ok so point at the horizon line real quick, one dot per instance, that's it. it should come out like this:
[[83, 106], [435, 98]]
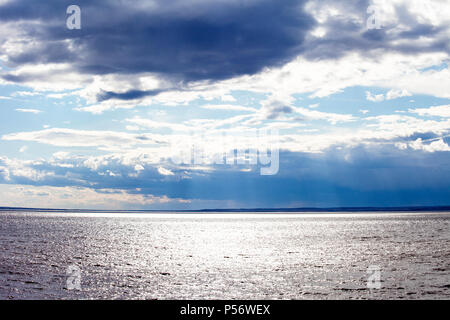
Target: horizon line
[[268, 210]]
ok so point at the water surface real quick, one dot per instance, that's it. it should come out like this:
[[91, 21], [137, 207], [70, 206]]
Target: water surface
[[224, 256]]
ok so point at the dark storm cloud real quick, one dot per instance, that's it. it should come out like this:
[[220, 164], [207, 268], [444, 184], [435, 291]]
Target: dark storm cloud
[[183, 40], [128, 95], [358, 176]]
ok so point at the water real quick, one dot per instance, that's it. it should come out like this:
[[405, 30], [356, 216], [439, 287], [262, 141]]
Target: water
[[224, 256]]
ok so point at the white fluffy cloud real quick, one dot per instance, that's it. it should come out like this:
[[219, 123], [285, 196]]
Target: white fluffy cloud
[[436, 111], [374, 97], [394, 94], [390, 95], [436, 145], [165, 172]]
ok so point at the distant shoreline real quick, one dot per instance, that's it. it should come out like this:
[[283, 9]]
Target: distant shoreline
[[255, 210]]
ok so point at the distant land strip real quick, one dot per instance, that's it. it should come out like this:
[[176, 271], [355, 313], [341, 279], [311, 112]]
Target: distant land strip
[[254, 210]]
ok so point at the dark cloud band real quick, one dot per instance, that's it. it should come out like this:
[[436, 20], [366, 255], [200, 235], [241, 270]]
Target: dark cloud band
[[207, 41]]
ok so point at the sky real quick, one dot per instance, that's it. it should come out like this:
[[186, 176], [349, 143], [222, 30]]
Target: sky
[[347, 103]]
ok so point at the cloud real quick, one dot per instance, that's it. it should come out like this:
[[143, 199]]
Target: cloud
[[332, 118], [436, 111], [321, 78], [390, 95], [25, 94], [276, 106], [47, 76], [374, 98], [81, 197], [200, 41], [228, 107], [35, 111], [23, 171], [128, 95], [165, 172], [350, 175], [406, 27], [189, 49], [82, 138], [385, 129], [152, 124], [434, 146], [394, 94]]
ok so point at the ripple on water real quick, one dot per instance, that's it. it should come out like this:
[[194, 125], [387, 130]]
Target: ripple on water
[[224, 257]]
